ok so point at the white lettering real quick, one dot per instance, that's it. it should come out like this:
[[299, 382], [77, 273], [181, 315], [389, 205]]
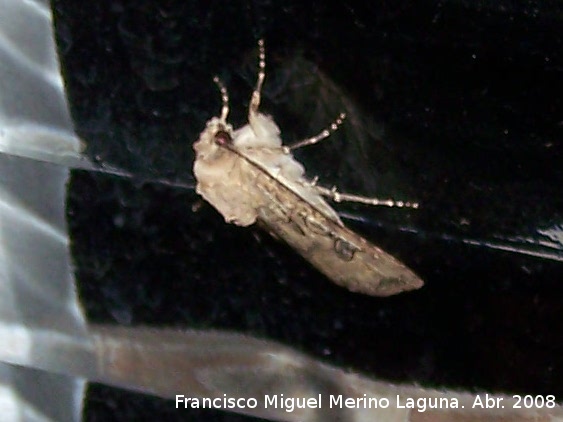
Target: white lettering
[[271, 401], [489, 402], [421, 404], [289, 404], [216, 403], [335, 401], [180, 398], [364, 402]]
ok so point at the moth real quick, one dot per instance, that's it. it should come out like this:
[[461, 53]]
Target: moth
[[250, 177]]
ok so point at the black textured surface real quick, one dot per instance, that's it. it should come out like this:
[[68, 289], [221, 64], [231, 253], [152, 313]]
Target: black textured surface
[[107, 405], [467, 96]]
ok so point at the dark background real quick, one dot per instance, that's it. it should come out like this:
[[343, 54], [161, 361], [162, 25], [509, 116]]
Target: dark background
[[454, 104]]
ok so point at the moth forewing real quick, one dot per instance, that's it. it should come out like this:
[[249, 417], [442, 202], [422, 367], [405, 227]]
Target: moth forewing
[[249, 176], [342, 255]]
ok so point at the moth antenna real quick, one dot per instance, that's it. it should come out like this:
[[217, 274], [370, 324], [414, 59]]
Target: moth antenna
[[224, 98], [255, 100], [323, 135], [346, 197]]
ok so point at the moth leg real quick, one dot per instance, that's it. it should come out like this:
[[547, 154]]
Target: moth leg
[[255, 99], [315, 139], [312, 183], [346, 197]]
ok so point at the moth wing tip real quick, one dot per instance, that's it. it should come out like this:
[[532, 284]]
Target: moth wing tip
[[394, 285]]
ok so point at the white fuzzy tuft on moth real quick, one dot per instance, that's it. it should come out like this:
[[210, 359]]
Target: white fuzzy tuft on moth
[[249, 176]]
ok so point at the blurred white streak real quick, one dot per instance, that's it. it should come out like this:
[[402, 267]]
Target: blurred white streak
[[34, 117], [26, 393], [212, 364], [554, 234], [41, 323]]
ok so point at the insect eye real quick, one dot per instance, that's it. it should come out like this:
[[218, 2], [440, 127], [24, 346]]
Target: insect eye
[[223, 138]]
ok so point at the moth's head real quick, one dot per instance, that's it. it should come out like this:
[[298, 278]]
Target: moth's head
[[218, 133]]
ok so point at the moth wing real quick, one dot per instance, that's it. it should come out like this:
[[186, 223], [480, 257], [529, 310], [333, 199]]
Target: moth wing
[[342, 255], [288, 172]]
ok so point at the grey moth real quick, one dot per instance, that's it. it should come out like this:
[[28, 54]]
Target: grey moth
[[250, 177]]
